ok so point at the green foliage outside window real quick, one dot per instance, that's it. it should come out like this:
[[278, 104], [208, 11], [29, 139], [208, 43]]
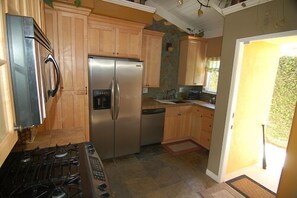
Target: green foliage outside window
[[283, 102], [212, 74]]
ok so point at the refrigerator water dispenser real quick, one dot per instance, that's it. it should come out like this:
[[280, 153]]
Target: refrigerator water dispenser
[[101, 99]]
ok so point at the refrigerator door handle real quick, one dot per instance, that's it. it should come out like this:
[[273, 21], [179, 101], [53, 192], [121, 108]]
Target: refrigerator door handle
[[118, 100], [112, 99]]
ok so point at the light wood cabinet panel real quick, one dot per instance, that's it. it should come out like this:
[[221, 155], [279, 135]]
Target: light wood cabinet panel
[[171, 127], [196, 124], [202, 121], [101, 40], [67, 29], [192, 61], [177, 123], [32, 8], [114, 37], [205, 139], [152, 55]]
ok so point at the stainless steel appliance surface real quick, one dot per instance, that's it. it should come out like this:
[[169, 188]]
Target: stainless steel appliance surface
[[115, 105], [73, 170], [152, 126], [34, 72]]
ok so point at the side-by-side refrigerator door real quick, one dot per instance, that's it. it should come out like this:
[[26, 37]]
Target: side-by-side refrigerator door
[[101, 79], [128, 91]]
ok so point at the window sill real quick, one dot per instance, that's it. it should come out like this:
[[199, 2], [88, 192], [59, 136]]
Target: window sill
[[209, 92]]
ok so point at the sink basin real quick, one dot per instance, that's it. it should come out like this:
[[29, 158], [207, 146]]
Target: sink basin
[[170, 101], [178, 101]]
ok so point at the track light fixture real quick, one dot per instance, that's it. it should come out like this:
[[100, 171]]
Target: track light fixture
[[180, 3], [200, 12]]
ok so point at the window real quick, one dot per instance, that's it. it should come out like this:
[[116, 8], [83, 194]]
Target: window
[[212, 74]]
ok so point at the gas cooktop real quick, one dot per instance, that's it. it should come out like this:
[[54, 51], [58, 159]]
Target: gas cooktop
[[74, 170]]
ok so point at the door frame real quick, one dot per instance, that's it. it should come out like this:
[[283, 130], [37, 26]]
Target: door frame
[[232, 100]]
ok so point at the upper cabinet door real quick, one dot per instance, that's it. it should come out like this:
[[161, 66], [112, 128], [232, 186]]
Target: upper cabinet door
[[192, 61], [128, 43], [114, 37], [101, 39], [152, 55]]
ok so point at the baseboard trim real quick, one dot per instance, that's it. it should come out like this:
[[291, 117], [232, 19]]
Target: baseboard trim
[[212, 175]]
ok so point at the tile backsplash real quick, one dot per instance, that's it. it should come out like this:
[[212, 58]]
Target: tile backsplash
[[170, 64]]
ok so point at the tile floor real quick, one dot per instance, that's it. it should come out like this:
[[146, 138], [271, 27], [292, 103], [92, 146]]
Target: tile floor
[[155, 173]]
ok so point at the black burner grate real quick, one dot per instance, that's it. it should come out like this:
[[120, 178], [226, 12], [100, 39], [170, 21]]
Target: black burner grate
[[50, 172]]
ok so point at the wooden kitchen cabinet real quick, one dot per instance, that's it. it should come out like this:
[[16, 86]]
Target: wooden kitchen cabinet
[[177, 123], [114, 37], [66, 28], [152, 55], [196, 124], [34, 8], [202, 121], [206, 130], [192, 61]]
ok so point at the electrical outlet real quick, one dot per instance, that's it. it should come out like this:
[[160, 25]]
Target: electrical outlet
[[145, 90]]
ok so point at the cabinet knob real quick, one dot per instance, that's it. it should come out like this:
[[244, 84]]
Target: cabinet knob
[[117, 53], [209, 125], [179, 114], [113, 53]]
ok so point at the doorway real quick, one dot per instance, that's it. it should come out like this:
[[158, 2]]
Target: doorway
[[257, 61]]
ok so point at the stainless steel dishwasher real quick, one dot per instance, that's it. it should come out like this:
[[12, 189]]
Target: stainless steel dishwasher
[[152, 126]]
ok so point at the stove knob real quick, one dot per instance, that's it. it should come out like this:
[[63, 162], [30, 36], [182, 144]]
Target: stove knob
[[91, 149], [102, 187]]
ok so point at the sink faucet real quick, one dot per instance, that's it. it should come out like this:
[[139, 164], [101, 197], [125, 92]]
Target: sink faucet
[[172, 95]]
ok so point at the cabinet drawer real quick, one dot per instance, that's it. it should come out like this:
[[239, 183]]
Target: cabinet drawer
[[184, 109], [208, 113], [205, 139], [207, 124], [178, 110]]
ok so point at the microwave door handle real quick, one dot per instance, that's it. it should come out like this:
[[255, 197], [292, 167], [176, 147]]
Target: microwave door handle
[[51, 59]]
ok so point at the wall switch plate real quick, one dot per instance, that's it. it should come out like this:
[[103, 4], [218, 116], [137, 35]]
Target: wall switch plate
[[145, 90]]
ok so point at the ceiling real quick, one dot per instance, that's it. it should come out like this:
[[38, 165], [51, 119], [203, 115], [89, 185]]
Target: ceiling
[[185, 16]]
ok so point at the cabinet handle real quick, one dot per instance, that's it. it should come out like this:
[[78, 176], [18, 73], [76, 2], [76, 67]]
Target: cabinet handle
[[113, 53], [179, 114], [209, 125], [117, 53], [194, 83]]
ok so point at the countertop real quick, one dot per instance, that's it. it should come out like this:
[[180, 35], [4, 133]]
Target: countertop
[[150, 103]]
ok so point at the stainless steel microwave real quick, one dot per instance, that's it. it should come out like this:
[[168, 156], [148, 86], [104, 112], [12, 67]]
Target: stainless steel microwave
[[34, 72]]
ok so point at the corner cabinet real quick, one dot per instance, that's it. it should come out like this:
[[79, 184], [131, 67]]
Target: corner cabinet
[[66, 28], [192, 61], [201, 127], [114, 37], [33, 8], [152, 55]]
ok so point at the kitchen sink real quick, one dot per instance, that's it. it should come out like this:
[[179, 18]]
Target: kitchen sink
[[178, 101]]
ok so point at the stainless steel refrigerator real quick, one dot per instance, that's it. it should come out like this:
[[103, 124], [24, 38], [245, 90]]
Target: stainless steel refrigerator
[[115, 105]]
